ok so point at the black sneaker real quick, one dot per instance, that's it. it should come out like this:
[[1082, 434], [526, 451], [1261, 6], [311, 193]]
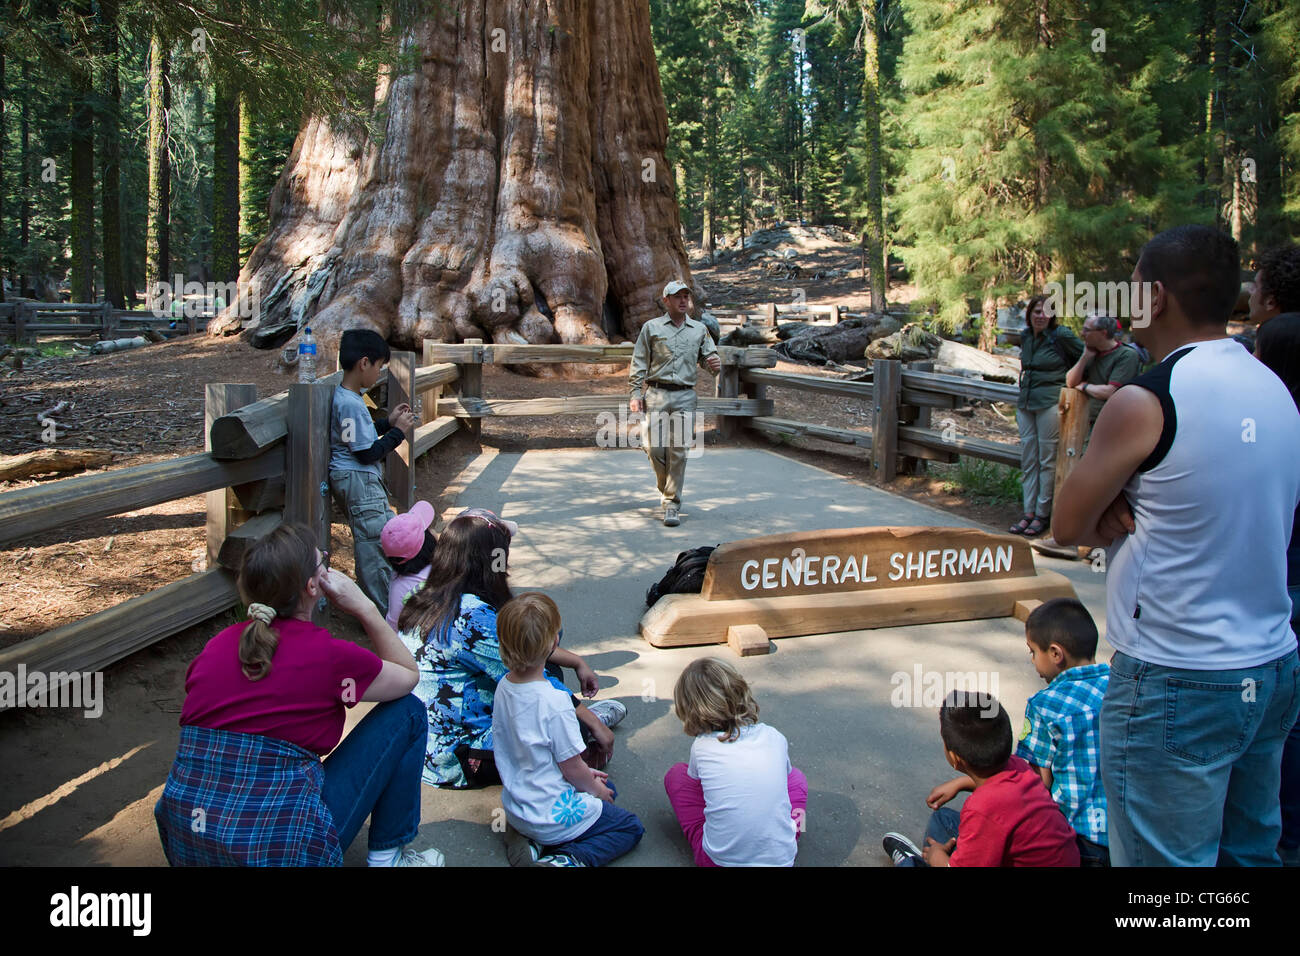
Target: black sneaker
[[901, 849]]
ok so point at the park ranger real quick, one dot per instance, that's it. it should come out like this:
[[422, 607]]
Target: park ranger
[[663, 386]]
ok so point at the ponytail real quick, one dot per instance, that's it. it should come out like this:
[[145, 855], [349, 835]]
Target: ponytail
[[256, 648], [272, 575]]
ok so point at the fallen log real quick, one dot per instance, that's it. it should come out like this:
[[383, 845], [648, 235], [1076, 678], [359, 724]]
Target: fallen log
[[51, 461], [836, 344]]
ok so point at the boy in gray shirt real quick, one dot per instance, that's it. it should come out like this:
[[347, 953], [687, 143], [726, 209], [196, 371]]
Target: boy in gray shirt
[[356, 449]]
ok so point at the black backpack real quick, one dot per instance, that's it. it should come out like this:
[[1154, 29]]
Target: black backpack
[[686, 576]]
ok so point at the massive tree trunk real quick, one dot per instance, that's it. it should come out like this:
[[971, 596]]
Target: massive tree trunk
[[519, 192]]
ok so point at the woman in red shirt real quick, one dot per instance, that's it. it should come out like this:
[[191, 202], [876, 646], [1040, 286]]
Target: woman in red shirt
[[266, 700]]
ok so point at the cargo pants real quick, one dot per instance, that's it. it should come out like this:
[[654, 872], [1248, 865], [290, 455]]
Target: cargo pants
[[668, 437], [364, 499]]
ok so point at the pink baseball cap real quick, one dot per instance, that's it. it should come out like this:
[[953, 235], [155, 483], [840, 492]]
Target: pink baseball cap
[[403, 536]]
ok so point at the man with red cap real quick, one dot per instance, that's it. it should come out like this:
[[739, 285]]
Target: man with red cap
[[664, 362]]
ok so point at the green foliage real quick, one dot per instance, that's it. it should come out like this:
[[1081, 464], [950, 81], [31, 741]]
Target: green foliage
[[1013, 175], [984, 481]]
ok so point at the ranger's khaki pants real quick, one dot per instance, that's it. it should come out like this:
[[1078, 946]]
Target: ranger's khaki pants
[[668, 436]]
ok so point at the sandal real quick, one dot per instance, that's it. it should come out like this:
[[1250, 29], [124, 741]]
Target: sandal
[[1022, 525], [1036, 527]]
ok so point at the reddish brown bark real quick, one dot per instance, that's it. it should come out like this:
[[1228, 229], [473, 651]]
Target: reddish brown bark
[[520, 184]]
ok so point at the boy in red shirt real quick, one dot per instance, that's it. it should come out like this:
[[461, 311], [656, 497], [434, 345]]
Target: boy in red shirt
[[1010, 819]]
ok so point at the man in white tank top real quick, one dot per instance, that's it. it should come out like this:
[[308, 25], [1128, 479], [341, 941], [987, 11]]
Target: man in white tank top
[[1191, 481]]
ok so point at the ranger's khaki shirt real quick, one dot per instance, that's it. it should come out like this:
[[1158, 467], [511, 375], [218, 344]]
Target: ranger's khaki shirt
[[667, 353]]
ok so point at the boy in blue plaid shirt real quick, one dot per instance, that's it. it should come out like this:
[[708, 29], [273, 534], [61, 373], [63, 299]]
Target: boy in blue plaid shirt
[[1061, 737]]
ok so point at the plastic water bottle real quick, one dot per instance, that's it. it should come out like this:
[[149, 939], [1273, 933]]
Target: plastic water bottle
[[306, 357]]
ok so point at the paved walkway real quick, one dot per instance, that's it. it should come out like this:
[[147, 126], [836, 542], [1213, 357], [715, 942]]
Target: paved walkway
[[587, 537]]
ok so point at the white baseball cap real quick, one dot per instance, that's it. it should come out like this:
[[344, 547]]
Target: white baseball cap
[[674, 287]]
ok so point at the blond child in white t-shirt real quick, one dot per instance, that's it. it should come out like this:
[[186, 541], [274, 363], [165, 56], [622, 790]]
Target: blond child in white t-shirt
[[739, 801], [559, 811]]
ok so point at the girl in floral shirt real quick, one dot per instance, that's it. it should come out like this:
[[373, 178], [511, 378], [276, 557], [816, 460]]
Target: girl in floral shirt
[[451, 630]]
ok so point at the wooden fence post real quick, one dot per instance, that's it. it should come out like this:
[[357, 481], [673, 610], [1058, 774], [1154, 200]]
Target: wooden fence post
[[886, 378], [1073, 408], [429, 399], [910, 465], [20, 333], [471, 386], [399, 465], [769, 315], [727, 386], [307, 461], [224, 513], [835, 315]]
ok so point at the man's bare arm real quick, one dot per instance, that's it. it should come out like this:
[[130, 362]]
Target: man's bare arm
[[1074, 377], [1126, 432]]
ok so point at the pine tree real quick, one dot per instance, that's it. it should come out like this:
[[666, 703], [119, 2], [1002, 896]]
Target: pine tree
[[1281, 39], [1012, 176]]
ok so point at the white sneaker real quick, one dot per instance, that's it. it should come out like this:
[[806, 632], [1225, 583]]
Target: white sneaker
[[610, 712], [671, 518], [521, 851], [557, 859], [429, 857], [901, 850]]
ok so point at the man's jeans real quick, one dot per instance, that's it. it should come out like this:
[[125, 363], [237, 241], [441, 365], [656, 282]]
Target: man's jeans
[[1191, 762]]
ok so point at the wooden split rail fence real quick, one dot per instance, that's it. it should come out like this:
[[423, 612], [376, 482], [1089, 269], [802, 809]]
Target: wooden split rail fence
[[267, 461], [768, 315], [900, 403], [23, 320]]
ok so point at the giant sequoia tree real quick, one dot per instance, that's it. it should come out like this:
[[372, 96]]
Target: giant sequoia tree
[[517, 190]]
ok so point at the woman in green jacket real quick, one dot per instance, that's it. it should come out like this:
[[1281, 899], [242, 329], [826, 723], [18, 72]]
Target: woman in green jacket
[[1047, 351]]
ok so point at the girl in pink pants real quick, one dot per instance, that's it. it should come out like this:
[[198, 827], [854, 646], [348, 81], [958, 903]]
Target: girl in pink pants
[[738, 800]]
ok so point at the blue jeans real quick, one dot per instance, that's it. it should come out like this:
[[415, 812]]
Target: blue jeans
[[1291, 761], [615, 832], [375, 772], [941, 828], [1191, 762]]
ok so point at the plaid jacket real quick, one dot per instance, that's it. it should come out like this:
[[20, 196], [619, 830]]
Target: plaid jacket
[[235, 799], [1061, 732]]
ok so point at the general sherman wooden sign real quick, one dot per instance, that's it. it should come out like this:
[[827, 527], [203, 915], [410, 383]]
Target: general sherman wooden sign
[[854, 559], [819, 582]]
